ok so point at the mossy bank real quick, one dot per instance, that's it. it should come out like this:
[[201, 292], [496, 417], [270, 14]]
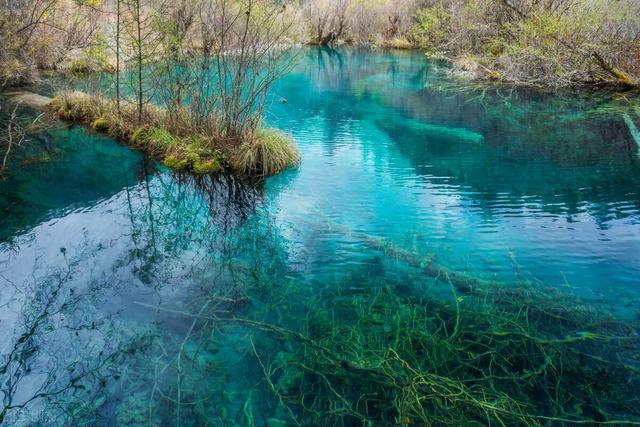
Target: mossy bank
[[170, 137]]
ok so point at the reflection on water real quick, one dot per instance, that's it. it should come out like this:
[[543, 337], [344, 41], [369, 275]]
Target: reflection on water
[[115, 273], [482, 174]]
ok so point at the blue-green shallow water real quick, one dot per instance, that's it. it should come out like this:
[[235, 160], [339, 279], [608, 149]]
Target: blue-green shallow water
[[398, 158]]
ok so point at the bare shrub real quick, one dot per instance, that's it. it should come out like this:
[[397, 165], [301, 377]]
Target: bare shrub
[[550, 42]]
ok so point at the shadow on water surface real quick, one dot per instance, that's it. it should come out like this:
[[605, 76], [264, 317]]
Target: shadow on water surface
[[73, 288], [59, 172]]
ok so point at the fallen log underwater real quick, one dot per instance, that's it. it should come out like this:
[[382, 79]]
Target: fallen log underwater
[[633, 129], [29, 99], [461, 281]]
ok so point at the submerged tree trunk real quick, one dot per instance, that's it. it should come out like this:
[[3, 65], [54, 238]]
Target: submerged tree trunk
[[633, 129]]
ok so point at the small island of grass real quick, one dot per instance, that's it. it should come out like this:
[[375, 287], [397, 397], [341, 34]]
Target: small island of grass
[[191, 92], [180, 145]]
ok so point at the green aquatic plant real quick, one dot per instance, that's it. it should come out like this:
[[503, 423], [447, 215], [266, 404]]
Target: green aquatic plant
[[39, 159], [267, 153], [369, 352], [508, 357], [171, 162], [139, 135], [461, 134]]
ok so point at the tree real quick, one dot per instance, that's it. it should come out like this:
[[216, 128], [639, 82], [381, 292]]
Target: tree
[[222, 72], [141, 37], [118, 19], [329, 19], [44, 34]]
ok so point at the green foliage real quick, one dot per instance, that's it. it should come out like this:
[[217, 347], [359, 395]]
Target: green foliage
[[101, 124], [538, 35], [90, 3], [207, 167], [157, 140], [268, 153], [94, 58], [39, 35], [557, 44], [431, 29]]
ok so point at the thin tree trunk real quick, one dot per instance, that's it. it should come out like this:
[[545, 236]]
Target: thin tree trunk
[[118, 56], [139, 46]]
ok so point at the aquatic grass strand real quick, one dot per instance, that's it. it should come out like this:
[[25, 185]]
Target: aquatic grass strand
[[418, 360]]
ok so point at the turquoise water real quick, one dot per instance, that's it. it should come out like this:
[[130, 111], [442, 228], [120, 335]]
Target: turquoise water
[[404, 166]]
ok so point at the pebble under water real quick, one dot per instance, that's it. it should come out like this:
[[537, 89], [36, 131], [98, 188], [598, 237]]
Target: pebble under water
[[447, 253]]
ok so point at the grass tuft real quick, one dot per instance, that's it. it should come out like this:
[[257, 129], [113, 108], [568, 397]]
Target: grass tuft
[[101, 125], [154, 140], [78, 106], [268, 153]]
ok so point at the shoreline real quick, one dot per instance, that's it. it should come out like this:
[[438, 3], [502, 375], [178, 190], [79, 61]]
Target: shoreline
[[461, 66]]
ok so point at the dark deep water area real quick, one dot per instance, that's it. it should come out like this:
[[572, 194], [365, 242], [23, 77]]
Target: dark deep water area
[[131, 295]]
